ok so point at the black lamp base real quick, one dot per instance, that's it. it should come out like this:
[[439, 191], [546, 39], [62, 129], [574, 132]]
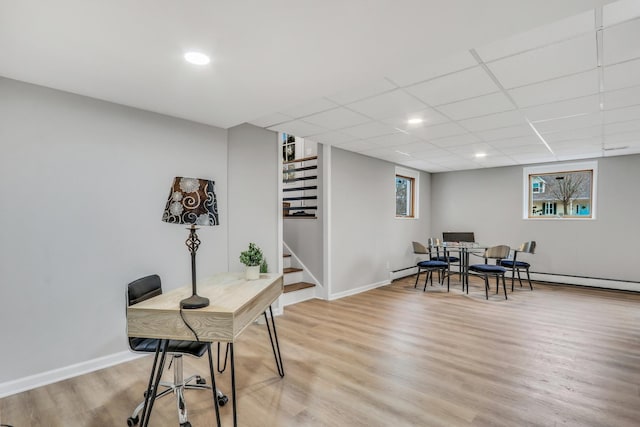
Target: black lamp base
[[194, 301]]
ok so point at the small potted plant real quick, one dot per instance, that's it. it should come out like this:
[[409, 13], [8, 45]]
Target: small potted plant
[[252, 258]]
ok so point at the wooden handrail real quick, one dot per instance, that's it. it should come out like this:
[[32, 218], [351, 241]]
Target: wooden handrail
[[304, 159]]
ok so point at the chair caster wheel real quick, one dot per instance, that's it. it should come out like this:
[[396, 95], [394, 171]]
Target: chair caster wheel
[[186, 424], [222, 400], [131, 421], [200, 380]]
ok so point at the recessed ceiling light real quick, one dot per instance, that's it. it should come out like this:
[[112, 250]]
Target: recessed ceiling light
[[480, 155], [415, 121], [196, 58]]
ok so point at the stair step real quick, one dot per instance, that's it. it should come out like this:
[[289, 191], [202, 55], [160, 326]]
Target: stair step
[[297, 286], [289, 270], [286, 255]]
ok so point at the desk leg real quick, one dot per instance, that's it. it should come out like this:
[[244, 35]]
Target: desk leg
[[226, 355], [275, 347], [154, 382], [213, 385], [466, 269], [233, 386]]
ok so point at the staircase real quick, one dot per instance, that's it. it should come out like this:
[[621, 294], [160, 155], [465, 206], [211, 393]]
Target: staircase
[[296, 288]]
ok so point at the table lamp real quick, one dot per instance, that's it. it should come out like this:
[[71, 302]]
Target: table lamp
[[192, 201]]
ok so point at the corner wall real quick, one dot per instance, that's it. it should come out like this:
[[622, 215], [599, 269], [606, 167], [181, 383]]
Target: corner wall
[[489, 202], [368, 242], [83, 184]]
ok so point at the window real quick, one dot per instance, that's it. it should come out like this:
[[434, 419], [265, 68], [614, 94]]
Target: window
[[560, 191], [404, 196]]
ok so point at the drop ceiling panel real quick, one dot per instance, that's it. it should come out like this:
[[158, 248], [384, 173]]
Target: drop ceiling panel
[[312, 107], [571, 107], [298, 128], [357, 146], [516, 142], [620, 11], [494, 161], [556, 60], [271, 119], [429, 117], [456, 140], [391, 104], [574, 86], [337, 118], [622, 114], [427, 70], [369, 130], [622, 98], [622, 75], [480, 106], [454, 87], [332, 138], [528, 159], [621, 42], [568, 123], [525, 149], [507, 132], [573, 134], [493, 121], [417, 147], [538, 37], [630, 126], [438, 131], [424, 165], [619, 138], [361, 92], [392, 140]]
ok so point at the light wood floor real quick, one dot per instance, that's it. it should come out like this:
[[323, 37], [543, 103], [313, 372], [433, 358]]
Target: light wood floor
[[396, 356]]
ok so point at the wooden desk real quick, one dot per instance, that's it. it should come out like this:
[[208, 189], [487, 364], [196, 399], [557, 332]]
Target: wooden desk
[[234, 304]]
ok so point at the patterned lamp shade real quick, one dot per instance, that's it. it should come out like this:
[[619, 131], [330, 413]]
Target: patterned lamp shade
[[191, 201]]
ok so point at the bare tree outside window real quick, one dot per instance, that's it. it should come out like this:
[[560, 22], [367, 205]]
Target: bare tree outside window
[[562, 194]]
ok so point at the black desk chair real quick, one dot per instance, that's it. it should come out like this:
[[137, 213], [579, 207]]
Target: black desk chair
[[143, 289], [485, 270], [515, 265]]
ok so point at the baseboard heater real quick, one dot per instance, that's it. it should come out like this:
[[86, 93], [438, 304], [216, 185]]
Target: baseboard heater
[[552, 278]]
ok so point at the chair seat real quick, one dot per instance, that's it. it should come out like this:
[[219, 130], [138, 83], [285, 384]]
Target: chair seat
[[149, 345], [432, 264], [487, 268], [509, 263], [444, 258]]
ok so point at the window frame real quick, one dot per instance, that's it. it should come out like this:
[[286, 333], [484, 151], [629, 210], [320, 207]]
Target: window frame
[[414, 178], [561, 168]]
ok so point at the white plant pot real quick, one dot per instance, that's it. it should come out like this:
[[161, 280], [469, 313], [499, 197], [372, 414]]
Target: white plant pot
[[253, 272]]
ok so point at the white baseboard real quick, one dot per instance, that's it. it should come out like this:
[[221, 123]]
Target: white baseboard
[[27, 383], [358, 290], [586, 281]]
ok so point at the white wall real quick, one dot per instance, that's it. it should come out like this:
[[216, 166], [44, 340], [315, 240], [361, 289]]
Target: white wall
[[83, 184], [489, 202], [253, 193], [366, 236]]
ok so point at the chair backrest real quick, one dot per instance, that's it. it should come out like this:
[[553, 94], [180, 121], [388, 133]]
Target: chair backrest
[[458, 236], [528, 247], [497, 252], [143, 289], [419, 248]]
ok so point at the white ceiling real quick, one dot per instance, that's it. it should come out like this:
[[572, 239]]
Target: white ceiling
[[520, 81]]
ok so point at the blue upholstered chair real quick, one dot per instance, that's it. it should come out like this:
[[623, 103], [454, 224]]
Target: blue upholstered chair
[[429, 266], [438, 252], [516, 265], [487, 270]]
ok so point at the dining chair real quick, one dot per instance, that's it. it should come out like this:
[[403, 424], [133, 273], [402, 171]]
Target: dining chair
[[429, 266], [141, 290], [516, 265], [438, 252], [487, 270]]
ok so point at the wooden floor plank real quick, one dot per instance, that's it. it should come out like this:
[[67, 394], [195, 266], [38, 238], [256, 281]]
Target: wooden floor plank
[[398, 356]]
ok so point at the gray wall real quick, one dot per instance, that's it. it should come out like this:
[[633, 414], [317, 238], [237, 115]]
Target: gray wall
[[253, 193], [304, 236], [366, 236], [489, 202], [83, 184]]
